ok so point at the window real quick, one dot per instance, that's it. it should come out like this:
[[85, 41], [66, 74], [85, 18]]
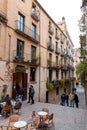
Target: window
[[33, 51], [56, 46], [57, 60], [50, 75], [50, 40], [20, 49], [33, 9], [56, 32], [34, 31], [32, 74], [20, 22]]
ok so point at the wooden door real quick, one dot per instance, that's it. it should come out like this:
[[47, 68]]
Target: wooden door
[[24, 85]]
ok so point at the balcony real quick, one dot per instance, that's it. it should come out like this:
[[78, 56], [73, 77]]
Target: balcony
[[57, 36], [26, 32], [64, 67], [62, 53], [50, 30], [3, 18], [25, 59], [53, 65], [35, 15], [57, 50], [50, 46], [62, 40]]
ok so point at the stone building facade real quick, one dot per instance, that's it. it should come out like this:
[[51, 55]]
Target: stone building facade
[[32, 51]]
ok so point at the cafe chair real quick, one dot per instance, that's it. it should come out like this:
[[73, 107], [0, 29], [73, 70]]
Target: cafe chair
[[34, 123], [17, 107], [12, 119], [33, 114], [2, 127], [46, 110], [49, 122]]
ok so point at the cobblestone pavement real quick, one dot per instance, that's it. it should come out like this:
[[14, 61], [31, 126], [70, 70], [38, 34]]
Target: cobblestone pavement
[[65, 118]]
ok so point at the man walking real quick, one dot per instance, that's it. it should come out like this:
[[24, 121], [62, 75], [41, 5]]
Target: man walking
[[29, 98], [32, 94]]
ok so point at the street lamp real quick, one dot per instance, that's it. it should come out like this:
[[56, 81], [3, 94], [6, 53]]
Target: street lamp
[[82, 58]]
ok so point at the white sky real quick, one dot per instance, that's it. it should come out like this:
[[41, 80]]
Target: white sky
[[70, 9]]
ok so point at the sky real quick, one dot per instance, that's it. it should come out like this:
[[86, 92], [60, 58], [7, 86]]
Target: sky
[[70, 9]]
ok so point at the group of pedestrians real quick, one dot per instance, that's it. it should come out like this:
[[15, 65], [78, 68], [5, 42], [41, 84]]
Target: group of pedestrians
[[70, 99]]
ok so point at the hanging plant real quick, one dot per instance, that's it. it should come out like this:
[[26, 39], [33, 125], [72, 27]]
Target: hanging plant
[[50, 86]]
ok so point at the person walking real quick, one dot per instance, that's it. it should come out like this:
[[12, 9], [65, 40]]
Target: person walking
[[76, 100], [64, 98], [20, 94], [32, 94], [71, 98], [29, 97]]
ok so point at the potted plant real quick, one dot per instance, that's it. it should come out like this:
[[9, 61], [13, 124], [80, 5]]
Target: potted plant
[[49, 60], [34, 59], [50, 86]]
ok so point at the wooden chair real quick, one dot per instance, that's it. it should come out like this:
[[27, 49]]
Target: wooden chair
[[34, 123], [17, 107], [46, 110], [49, 122], [12, 119], [3, 127], [33, 114]]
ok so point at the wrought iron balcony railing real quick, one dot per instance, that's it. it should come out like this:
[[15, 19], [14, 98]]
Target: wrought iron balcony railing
[[57, 36], [25, 58], [50, 46], [62, 40], [27, 32], [35, 15], [57, 50], [50, 30]]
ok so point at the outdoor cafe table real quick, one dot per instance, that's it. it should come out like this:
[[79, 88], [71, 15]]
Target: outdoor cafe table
[[20, 124], [42, 114]]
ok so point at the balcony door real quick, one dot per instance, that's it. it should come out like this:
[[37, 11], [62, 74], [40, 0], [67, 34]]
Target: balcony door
[[20, 50], [33, 31], [20, 22]]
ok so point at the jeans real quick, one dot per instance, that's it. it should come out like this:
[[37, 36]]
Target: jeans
[[20, 98], [72, 103]]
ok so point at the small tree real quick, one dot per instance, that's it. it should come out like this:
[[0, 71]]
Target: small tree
[[81, 68]]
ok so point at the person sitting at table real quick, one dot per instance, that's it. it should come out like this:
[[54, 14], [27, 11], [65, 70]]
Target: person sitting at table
[[7, 98], [7, 109]]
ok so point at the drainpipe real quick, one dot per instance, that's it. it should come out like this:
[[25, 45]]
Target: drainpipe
[[39, 60]]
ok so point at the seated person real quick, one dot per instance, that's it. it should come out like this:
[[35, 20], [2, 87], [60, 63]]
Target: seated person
[[7, 98], [17, 105], [7, 109]]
